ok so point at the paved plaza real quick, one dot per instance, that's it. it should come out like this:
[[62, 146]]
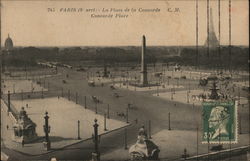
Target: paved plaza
[[64, 115], [19, 86]]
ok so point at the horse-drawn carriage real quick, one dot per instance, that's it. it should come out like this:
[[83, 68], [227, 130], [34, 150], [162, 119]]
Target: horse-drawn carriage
[[95, 99], [91, 83], [112, 87]]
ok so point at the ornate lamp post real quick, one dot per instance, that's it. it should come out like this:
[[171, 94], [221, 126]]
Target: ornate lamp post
[[125, 139], [8, 102], [135, 82], [157, 90], [105, 122], [22, 94], [127, 79], [96, 140], [46, 129], [149, 129], [76, 97], [169, 127], [85, 102], [78, 130], [42, 92], [108, 112], [127, 115], [95, 107]]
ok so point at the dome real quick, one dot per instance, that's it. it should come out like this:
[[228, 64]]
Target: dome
[[8, 43]]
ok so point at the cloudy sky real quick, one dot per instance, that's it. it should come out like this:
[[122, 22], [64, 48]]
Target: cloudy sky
[[30, 24]]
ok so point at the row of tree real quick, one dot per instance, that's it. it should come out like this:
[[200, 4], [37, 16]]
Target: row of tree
[[235, 57], [224, 57]]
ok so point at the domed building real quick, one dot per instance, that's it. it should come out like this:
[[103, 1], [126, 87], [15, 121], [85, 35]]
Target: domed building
[[8, 44]]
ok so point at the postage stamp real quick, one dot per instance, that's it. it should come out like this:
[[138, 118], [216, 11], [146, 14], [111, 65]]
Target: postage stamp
[[219, 122]]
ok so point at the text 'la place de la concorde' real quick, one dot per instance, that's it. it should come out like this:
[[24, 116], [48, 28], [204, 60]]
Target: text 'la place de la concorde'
[[120, 13]]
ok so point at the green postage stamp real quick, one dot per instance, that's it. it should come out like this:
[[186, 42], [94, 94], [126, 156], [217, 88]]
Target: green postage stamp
[[219, 122]]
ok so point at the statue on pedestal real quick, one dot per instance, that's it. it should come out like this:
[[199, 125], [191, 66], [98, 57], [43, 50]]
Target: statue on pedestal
[[24, 129]]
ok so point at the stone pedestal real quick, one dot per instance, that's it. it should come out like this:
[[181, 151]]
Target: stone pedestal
[[95, 157]]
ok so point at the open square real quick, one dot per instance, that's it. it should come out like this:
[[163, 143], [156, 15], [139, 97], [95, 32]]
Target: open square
[[63, 117]]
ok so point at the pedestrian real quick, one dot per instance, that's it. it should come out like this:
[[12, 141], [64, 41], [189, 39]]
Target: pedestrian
[[22, 143], [142, 132]]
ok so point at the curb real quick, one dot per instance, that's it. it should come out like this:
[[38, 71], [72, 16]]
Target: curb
[[221, 153]]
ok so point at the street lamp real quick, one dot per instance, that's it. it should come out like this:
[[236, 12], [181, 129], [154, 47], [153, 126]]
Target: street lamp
[[8, 102], [96, 140], [95, 107], [108, 112], [46, 129], [135, 83], [78, 130], [127, 115]]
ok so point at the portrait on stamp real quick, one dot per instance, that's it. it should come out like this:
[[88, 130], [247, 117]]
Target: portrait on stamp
[[219, 122]]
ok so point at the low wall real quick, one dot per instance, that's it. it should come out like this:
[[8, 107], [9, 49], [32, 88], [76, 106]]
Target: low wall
[[12, 116], [221, 154]]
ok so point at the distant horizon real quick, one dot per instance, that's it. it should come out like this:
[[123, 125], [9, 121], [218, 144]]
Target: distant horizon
[[127, 46]]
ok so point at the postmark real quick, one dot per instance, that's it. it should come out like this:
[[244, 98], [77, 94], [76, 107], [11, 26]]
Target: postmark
[[219, 122]]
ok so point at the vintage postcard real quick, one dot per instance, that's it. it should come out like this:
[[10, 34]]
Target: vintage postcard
[[119, 80]]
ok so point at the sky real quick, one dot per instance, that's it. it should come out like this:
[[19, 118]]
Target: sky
[[30, 24]]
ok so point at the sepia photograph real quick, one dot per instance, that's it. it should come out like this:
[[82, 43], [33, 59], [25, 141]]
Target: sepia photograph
[[124, 80]]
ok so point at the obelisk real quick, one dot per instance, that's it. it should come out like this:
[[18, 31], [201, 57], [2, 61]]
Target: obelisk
[[144, 80]]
